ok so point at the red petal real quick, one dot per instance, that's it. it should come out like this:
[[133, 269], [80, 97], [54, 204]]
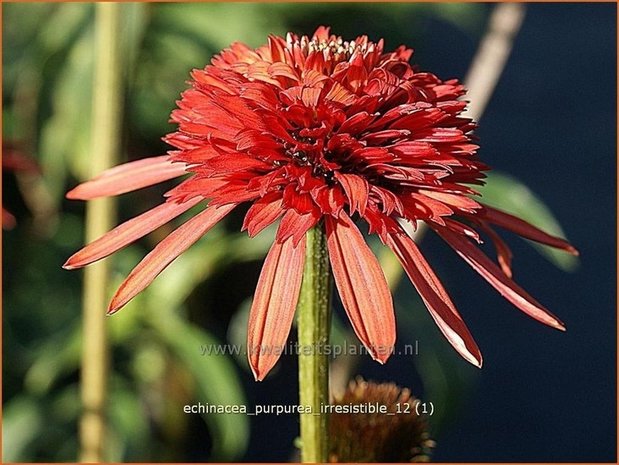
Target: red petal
[[322, 33], [434, 209], [128, 177], [357, 191], [524, 229], [338, 93], [277, 48], [462, 229], [330, 199], [459, 201], [435, 297], [310, 97], [275, 300], [362, 287], [282, 69], [503, 252], [234, 162], [493, 274], [263, 213], [165, 253], [442, 135], [128, 232], [295, 225], [356, 123]]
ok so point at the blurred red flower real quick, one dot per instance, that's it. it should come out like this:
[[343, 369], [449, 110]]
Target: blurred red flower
[[320, 130], [13, 160]]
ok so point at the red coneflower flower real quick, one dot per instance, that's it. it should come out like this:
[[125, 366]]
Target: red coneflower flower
[[313, 130]]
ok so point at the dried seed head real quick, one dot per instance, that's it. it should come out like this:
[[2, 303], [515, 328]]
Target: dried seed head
[[379, 437]]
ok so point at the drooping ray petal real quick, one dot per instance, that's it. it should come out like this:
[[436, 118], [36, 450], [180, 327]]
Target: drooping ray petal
[[493, 274], [357, 191], [275, 300], [128, 177], [362, 286], [128, 232], [165, 253], [524, 229], [435, 297], [459, 201], [503, 252]]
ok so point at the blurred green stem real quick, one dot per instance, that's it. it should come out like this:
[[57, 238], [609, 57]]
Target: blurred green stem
[[313, 323], [100, 214]]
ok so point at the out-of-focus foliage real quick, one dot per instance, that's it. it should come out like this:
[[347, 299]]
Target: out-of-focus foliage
[[156, 363]]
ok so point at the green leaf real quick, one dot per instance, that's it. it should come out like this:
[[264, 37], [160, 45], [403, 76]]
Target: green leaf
[[237, 332], [508, 194], [220, 23], [21, 425], [216, 381], [130, 429], [55, 358]]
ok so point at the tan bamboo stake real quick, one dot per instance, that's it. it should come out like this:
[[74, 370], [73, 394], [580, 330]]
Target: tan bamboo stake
[[100, 214]]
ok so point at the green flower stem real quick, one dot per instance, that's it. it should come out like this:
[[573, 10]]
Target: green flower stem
[[100, 214], [313, 323]]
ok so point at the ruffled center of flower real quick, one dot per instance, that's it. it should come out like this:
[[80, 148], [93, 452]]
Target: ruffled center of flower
[[319, 167], [308, 148], [335, 48], [317, 125]]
